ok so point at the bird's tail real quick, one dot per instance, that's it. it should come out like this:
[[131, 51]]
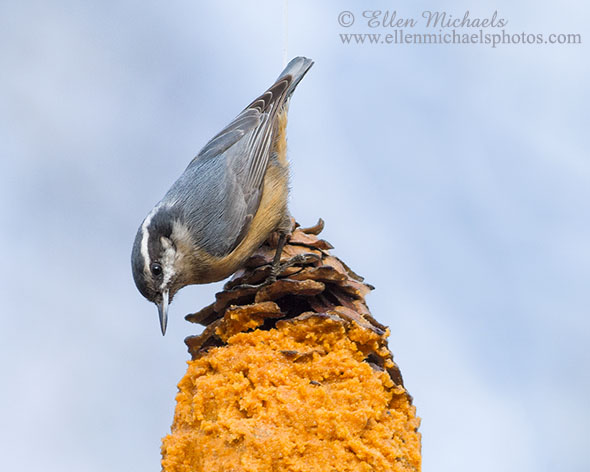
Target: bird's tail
[[297, 68]]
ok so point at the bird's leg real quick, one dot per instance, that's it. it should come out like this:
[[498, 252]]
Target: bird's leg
[[299, 259], [277, 268]]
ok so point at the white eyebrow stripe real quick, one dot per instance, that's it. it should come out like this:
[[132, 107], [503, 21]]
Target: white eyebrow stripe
[[145, 237]]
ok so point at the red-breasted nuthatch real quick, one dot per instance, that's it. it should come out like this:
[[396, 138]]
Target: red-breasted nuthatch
[[228, 201]]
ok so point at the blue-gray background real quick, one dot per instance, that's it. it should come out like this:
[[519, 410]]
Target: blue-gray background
[[454, 178]]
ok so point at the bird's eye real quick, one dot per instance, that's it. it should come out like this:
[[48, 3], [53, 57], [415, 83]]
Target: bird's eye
[[156, 269]]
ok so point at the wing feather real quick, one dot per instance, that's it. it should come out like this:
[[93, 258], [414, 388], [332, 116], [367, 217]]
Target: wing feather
[[245, 147]]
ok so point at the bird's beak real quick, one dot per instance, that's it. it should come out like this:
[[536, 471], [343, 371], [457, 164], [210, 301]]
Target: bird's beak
[[163, 311]]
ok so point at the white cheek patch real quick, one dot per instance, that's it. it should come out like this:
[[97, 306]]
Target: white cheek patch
[[168, 258], [181, 233]]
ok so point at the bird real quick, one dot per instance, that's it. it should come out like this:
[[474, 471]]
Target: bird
[[231, 197]]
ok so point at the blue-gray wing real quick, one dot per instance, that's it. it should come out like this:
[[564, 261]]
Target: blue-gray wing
[[240, 154]]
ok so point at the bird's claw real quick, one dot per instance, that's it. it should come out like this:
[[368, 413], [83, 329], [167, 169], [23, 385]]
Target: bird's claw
[[277, 269]]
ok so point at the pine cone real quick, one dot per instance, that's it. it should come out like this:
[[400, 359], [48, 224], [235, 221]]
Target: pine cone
[[293, 376]]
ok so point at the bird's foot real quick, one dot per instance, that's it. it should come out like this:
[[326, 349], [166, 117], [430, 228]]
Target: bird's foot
[[277, 269]]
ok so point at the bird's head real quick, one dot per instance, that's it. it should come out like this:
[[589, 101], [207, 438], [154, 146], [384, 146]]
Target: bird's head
[[155, 261]]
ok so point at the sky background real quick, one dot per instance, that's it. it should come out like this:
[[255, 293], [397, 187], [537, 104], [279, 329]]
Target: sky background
[[455, 178]]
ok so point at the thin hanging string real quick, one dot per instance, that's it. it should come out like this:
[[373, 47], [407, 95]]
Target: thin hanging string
[[285, 30]]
